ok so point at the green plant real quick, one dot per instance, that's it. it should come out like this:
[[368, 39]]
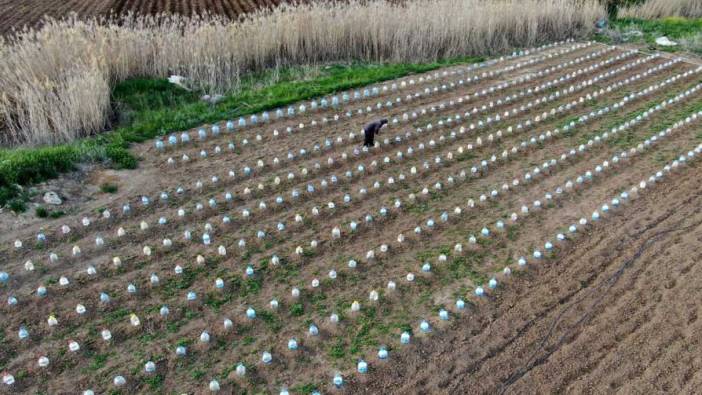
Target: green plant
[[41, 212], [155, 108], [57, 214], [297, 310], [108, 187], [17, 205]]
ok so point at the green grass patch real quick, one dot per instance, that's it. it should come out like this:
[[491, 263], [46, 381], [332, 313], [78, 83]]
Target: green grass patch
[[17, 205], [41, 212], [155, 382], [338, 350], [57, 214], [108, 187], [643, 31], [98, 362], [672, 27], [465, 266], [272, 321], [297, 310]]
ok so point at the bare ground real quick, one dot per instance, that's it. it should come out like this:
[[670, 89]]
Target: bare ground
[[617, 313], [565, 326]]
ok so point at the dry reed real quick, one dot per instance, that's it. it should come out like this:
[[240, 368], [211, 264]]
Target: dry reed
[[652, 9], [55, 82]]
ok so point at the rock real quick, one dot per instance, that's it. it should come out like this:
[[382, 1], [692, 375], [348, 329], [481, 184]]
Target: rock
[[52, 197], [665, 42]]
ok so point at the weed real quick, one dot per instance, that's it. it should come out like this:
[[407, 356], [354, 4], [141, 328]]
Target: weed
[[17, 205], [337, 350], [154, 381], [272, 321], [57, 214], [198, 374], [98, 362], [108, 187], [41, 212], [297, 310]]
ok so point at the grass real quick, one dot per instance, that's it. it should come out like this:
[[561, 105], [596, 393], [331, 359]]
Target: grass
[[108, 188], [149, 107], [677, 29], [41, 212], [297, 310], [673, 27], [98, 362], [57, 214]]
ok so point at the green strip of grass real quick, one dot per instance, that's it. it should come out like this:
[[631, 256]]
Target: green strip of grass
[[147, 108], [675, 28]]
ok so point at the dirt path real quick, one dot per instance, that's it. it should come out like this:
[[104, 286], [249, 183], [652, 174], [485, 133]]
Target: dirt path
[[616, 313]]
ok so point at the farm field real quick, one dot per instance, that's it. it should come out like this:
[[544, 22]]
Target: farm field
[[616, 314], [543, 203], [30, 12]]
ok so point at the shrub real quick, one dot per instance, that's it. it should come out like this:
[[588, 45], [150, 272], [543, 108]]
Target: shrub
[[41, 212], [17, 205]]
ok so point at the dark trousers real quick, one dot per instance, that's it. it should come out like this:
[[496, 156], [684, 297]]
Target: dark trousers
[[369, 140]]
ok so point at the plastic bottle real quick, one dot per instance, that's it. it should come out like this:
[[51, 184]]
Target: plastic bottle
[[266, 357]]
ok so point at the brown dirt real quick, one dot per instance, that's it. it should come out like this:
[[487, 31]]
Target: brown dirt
[[615, 314], [487, 346], [18, 14]]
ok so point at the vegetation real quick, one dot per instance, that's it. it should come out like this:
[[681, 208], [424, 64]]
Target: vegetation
[[216, 54], [155, 107], [41, 212], [686, 32], [375, 303], [108, 187], [652, 9]]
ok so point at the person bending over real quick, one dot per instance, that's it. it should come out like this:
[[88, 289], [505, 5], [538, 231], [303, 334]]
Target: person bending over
[[371, 130]]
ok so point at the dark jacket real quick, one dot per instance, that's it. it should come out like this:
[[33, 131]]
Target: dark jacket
[[373, 127], [371, 130]]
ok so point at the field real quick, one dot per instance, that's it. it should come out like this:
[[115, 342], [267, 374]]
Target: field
[[526, 224], [30, 12]]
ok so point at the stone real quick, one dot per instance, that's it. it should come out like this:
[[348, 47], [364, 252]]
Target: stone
[[665, 42], [52, 197]]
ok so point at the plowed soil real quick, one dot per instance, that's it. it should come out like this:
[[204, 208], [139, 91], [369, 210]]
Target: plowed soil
[[618, 313], [612, 308], [15, 15]]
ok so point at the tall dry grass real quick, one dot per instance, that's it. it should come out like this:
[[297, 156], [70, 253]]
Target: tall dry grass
[[55, 82], [652, 9]]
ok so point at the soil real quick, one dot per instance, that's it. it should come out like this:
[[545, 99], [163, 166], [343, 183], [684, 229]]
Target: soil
[[612, 311], [17, 15], [616, 312]]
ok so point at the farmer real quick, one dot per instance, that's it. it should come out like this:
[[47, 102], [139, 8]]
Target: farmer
[[371, 130]]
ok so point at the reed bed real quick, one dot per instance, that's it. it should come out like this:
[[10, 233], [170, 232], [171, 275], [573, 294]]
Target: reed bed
[[56, 80], [653, 9]]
